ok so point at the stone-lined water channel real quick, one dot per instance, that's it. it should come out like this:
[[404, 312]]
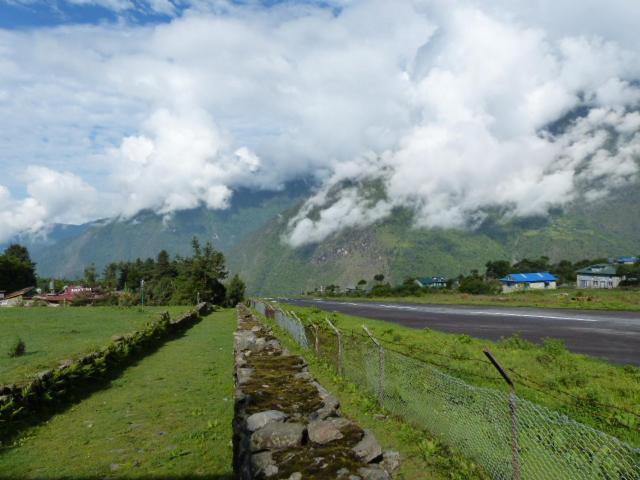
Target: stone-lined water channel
[[287, 426]]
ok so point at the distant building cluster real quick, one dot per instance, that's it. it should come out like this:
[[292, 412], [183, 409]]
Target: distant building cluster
[[600, 275], [28, 295]]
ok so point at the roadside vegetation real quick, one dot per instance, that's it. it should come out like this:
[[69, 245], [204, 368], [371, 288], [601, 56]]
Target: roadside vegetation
[[589, 390], [624, 299], [51, 335], [167, 416], [182, 280], [423, 456], [486, 289]]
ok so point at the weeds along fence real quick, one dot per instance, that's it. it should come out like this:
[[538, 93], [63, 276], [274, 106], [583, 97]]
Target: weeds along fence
[[510, 437]]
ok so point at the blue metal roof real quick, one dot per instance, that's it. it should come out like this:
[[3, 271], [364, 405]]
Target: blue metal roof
[[529, 277], [627, 259]]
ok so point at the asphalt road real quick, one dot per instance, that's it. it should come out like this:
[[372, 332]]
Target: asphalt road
[[614, 336]]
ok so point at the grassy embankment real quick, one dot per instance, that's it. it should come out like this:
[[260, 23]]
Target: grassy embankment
[[423, 456], [169, 416], [587, 389], [587, 299], [55, 334]]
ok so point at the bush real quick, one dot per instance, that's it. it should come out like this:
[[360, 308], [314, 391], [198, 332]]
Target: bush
[[127, 299], [475, 285], [554, 346], [17, 348]]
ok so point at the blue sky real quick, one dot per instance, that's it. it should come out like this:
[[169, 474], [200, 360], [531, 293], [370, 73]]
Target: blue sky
[[20, 14], [110, 107]]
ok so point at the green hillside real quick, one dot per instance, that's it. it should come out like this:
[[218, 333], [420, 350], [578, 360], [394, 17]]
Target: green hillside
[[147, 233], [251, 235], [606, 228]]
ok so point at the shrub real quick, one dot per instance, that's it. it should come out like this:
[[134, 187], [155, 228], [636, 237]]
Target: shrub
[[515, 341], [127, 299], [554, 346], [17, 348]]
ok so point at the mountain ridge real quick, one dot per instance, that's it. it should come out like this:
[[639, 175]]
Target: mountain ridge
[[251, 234]]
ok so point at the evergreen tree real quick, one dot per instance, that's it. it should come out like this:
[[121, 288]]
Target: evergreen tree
[[16, 269], [90, 277], [235, 291]]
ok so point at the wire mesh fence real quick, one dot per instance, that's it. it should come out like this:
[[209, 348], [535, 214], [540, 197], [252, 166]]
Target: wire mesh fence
[[510, 437]]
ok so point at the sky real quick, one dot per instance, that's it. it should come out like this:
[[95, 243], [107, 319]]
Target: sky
[[110, 107]]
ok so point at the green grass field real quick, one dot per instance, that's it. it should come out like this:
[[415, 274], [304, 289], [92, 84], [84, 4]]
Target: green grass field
[[55, 334], [589, 390], [169, 416], [586, 299]]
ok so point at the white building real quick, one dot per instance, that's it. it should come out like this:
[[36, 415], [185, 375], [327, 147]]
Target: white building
[[602, 275]]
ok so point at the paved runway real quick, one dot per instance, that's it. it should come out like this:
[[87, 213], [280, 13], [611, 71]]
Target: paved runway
[[614, 336]]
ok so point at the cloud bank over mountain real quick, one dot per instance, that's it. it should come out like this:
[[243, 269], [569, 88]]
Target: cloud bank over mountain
[[451, 108]]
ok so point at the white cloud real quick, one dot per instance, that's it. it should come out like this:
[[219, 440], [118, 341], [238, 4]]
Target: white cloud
[[53, 197], [487, 89], [446, 104]]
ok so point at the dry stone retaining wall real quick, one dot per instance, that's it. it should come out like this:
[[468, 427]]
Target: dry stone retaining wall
[[286, 425], [55, 386]]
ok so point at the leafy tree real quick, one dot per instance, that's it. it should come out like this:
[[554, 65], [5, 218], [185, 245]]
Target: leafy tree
[[16, 269], [497, 269], [527, 265], [362, 283], [379, 277], [476, 285], [235, 291]]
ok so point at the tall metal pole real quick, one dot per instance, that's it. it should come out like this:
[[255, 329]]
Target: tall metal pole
[[513, 410]]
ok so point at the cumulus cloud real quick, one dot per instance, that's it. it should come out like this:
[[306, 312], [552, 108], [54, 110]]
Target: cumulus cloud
[[449, 108], [486, 91], [52, 197], [179, 162]]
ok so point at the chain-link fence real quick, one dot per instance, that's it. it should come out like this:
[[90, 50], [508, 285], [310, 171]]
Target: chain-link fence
[[510, 437]]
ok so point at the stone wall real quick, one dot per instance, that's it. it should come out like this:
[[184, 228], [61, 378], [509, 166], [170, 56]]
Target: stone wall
[[286, 425], [52, 388]]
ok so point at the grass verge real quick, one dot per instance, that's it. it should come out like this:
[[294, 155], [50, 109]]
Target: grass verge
[[591, 391], [586, 299], [168, 416], [55, 334], [423, 456]]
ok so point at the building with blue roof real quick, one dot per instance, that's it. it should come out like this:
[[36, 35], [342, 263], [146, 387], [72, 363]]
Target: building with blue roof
[[431, 282], [627, 260], [516, 282]]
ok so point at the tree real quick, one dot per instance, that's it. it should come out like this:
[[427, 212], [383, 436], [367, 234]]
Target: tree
[[201, 274], [90, 275], [497, 269], [527, 265], [235, 291], [110, 276], [163, 266], [475, 285], [16, 269], [379, 277], [362, 283]]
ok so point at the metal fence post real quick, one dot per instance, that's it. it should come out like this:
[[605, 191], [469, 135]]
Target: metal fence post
[[337, 332], [513, 410], [380, 365]]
